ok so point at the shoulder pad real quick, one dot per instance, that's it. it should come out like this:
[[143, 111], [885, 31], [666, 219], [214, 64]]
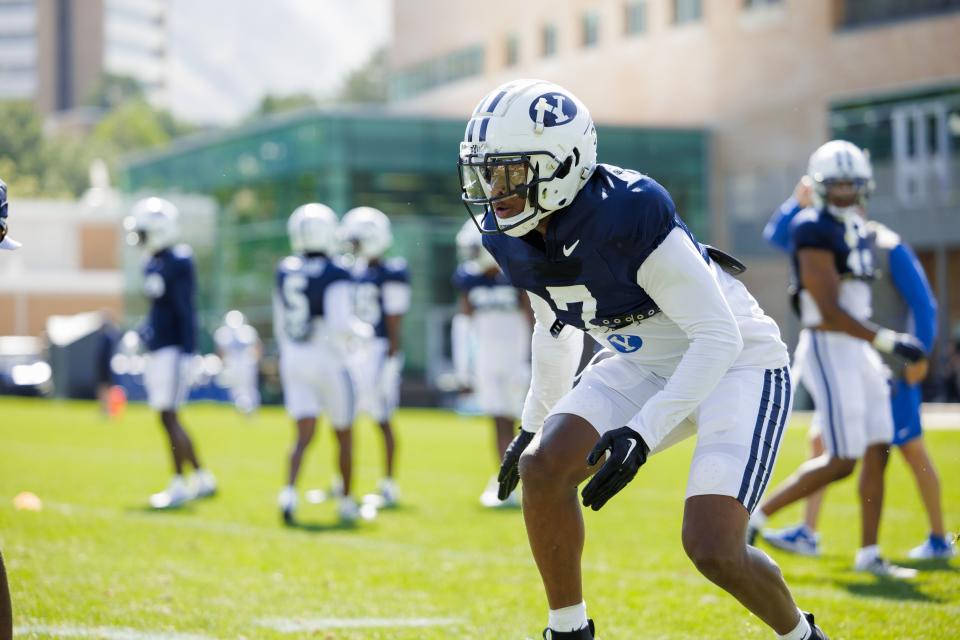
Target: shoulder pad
[[182, 251], [290, 263]]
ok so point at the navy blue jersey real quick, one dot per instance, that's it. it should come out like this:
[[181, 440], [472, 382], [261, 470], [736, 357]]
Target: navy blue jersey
[[486, 292], [370, 303], [847, 239], [170, 281], [586, 266], [301, 285]]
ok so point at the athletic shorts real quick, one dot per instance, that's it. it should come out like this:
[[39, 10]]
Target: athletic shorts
[[377, 396], [847, 381], [738, 426], [315, 384], [166, 376]]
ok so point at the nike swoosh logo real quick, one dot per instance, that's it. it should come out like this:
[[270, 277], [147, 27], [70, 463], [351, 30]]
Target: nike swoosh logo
[[633, 444], [568, 250]]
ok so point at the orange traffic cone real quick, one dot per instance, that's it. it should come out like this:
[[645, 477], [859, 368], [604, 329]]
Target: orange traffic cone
[[116, 402]]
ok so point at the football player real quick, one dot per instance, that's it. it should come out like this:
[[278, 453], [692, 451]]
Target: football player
[[382, 299], [834, 264], [491, 332], [313, 320], [239, 347], [170, 336], [7, 243], [602, 249], [902, 297]]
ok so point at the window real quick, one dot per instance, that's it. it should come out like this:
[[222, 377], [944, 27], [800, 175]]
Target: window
[[591, 29], [755, 4], [687, 11], [549, 40], [636, 21], [854, 13], [513, 50]]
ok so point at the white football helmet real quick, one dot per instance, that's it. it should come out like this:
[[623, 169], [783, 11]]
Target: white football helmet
[[152, 224], [234, 319], [470, 247], [313, 229], [6, 242], [367, 231], [527, 139], [839, 161]]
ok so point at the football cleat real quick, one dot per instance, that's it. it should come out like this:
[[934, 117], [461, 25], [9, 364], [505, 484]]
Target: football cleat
[[390, 492], [287, 500], [348, 510], [204, 484], [586, 633], [933, 548], [884, 569], [175, 495], [797, 539], [816, 633]]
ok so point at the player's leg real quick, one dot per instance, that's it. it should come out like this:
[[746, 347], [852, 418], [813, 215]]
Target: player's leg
[[301, 399], [551, 468], [802, 538], [837, 410], [554, 464], [6, 609], [389, 392], [306, 428], [739, 430], [339, 396]]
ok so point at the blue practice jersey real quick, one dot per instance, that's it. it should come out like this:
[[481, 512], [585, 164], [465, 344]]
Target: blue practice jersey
[[371, 279], [301, 285], [846, 239], [170, 282], [486, 292], [597, 243]]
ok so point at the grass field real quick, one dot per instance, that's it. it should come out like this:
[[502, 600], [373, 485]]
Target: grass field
[[96, 563]]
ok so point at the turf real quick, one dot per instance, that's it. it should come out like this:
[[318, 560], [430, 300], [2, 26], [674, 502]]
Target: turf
[[95, 557]]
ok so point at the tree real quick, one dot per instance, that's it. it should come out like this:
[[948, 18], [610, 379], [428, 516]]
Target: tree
[[368, 84], [278, 104]]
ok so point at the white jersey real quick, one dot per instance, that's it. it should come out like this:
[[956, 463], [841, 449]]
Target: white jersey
[[237, 343]]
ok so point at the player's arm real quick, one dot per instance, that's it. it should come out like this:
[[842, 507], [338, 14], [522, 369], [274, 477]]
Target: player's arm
[[460, 330], [777, 232], [683, 285], [911, 281], [819, 276], [554, 364], [339, 314], [184, 301], [396, 303]]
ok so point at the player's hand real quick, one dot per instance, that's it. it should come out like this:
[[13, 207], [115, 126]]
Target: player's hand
[[803, 192], [902, 345], [628, 452], [509, 474], [915, 372]]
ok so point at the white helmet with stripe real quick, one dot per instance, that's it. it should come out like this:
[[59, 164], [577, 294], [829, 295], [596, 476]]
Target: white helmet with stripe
[[528, 149], [470, 248], [313, 229], [835, 162]]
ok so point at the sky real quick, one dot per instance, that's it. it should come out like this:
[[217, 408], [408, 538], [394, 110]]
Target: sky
[[225, 54]]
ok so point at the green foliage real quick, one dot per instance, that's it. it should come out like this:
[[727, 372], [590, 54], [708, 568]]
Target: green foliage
[[270, 104], [368, 84], [95, 556], [56, 165]]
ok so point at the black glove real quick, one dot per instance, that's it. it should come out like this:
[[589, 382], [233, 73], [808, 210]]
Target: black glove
[[909, 348], [3, 228], [509, 474], [902, 345], [628, 452]]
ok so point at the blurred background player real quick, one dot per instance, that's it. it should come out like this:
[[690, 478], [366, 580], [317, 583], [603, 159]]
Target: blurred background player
[[170, 336], [107, 340], [382, 299], [313, 320], [834, 263], [491, 344], [6, 242], [239, 346], [903, 301]]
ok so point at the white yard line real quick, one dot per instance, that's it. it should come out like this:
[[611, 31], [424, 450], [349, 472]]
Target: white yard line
[[105, 633], [294, 625]]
